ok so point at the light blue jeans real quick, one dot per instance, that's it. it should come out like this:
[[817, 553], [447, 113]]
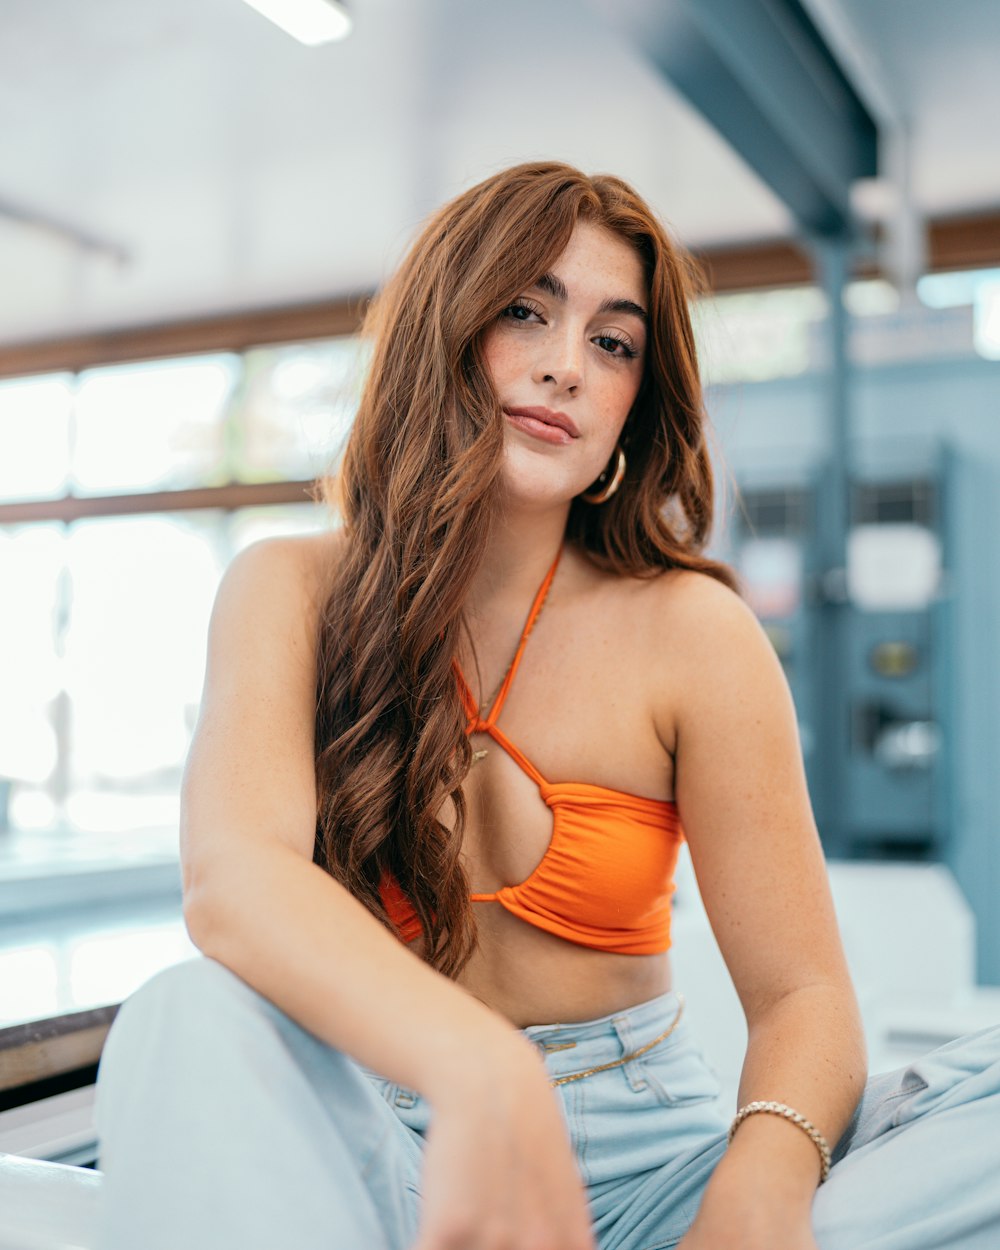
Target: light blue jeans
[[223, 1123]]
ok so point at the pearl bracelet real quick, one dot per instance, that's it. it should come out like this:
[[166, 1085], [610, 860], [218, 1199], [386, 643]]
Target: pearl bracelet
[[789, 1113]]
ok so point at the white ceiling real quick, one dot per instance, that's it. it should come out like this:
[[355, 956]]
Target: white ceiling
[[238, 169], [939, 61]]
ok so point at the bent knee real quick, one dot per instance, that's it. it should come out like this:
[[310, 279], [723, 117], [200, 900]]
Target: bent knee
[[200, 978], [184, 1013], [186, 994]]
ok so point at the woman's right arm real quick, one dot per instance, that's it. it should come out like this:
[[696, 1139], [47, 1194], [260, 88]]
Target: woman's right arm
[[255, 901]]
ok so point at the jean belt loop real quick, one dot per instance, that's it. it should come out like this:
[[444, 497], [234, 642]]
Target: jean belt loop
[[633, 1067]]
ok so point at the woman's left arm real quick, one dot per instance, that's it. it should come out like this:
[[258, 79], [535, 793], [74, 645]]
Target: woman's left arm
[[742, 799]]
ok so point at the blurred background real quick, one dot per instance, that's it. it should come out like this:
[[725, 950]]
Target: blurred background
[[194, 207]]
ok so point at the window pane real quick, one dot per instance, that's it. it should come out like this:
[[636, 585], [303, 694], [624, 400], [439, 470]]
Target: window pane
[[32, 578], [753, 336], [296, 408], [143, 589], [34, 437], [107, 967], [158, 425], [102, 666], [30, 979]]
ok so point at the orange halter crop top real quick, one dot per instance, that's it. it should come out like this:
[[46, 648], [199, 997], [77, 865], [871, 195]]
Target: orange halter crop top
[[606, 878]]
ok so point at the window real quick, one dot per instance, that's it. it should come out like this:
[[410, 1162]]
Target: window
[[754, 336], [125, 491]]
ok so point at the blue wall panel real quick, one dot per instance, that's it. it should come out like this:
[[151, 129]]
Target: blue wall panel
[[957, 401]]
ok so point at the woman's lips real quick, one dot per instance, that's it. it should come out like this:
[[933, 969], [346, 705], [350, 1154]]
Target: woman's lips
[[538, 428]]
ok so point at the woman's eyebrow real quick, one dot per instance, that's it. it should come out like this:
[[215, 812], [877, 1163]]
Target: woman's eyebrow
[[557, 289], [624, 306]]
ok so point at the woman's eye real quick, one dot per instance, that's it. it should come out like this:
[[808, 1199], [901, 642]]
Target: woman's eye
[[616, 347], [519, 311]]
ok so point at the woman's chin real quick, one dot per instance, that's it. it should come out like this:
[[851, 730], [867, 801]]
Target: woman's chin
[[538, 487], [522, 495]]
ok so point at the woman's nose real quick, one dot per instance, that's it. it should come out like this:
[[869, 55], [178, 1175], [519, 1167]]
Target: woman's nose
[[561, 362]]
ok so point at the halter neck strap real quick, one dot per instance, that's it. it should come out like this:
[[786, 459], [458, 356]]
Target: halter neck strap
[[471, 707]]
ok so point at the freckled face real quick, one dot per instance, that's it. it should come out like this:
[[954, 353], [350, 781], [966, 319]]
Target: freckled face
[[567, 359]]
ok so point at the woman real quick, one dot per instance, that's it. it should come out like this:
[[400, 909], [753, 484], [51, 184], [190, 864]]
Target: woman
[[415, 838]]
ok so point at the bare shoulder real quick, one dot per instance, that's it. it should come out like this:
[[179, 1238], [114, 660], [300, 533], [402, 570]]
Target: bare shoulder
[[688, 596], [706, 649], [267, 615], [318, 551], [715, 627], [699, 605], [684, 612], [676, 621], [287, 576], [310, 558]]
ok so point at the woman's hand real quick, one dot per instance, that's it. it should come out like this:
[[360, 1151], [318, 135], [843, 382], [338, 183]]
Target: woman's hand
[[498, 1169]]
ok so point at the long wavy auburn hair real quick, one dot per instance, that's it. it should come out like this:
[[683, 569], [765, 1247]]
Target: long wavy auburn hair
[[418, 488]]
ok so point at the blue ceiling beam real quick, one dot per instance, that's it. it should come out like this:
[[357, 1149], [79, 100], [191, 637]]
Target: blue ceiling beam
[[760, 72]]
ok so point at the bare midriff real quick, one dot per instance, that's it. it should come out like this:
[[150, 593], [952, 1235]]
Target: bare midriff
[[532, 977]]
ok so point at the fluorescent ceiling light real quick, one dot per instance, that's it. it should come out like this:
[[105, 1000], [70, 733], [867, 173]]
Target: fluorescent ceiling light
[[309, 21]]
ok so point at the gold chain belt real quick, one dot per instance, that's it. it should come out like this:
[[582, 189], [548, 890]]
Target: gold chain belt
[[616, 1063]]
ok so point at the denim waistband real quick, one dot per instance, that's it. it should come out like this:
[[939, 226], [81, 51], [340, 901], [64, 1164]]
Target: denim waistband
[[569, 1048]]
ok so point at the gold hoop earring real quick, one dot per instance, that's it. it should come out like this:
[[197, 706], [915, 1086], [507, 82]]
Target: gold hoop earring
[[604, 492]]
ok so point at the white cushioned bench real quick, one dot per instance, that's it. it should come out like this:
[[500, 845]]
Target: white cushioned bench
[[47, 1206]]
